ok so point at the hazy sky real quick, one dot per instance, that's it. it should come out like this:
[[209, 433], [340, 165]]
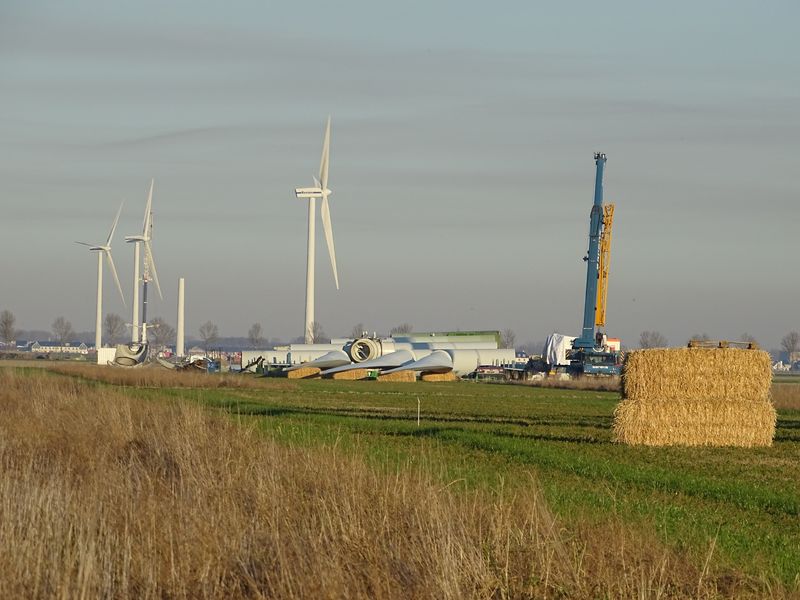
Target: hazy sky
[[461, 161]]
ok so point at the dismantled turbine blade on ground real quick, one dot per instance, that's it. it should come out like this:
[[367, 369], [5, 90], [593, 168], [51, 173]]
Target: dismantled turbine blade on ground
[[334, 358], [387, 361], [437, 361]]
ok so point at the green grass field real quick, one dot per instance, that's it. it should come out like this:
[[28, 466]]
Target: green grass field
[[743, 502]]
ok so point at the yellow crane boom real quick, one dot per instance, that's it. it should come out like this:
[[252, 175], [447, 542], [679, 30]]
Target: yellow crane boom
[[604, 261]]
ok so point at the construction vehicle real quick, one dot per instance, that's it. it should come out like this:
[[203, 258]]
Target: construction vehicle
[[591, 353]]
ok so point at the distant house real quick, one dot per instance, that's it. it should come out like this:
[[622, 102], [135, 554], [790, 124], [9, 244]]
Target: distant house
[[54, 346], [46, 346]]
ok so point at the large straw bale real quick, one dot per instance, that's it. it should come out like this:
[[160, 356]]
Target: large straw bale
[[695, 422], [303, 373], [723, 374], [350, 375], [398, 376], [449, 376], [696, 397]]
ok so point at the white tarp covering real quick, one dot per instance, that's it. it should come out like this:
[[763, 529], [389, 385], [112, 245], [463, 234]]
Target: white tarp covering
[[555, 349]]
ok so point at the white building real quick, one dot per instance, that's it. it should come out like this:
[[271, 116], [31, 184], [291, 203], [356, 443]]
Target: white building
[[65, 348]]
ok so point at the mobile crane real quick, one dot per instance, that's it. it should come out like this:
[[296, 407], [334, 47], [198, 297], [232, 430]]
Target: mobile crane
[[591, 354]]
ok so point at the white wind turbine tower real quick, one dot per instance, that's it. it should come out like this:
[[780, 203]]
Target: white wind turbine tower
[[148, 270], [319, 191], [104, 249]]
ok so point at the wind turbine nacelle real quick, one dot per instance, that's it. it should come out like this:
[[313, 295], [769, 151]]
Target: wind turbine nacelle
[[311, 192]]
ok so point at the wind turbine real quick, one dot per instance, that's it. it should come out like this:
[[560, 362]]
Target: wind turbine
[[104, 249], [149, 268], [320, 190]]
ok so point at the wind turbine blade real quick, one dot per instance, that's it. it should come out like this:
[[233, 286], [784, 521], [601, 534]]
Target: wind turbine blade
[[114, 273], [149, 254], [326, 225], [146, 223], [323, 164], [114, 226], [84, 244]]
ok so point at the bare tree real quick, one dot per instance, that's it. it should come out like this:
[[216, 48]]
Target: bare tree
[[62, 330], [508, 338], [746, 337], [254, 335], [700, 337], [161, 332], [209, 333], [114, 328], [318, 334], [791, 343], [358, 330], [652, 339], [7, 331], [401, 329]]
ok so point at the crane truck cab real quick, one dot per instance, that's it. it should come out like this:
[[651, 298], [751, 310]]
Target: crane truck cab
[[592, 361]]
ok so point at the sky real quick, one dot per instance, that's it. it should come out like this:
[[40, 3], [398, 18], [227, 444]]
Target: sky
[[461, 161]]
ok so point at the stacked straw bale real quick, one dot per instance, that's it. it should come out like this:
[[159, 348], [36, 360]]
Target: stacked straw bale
[[350, 375], [696, 397], [303, 373], [399, 376], [449, 376]]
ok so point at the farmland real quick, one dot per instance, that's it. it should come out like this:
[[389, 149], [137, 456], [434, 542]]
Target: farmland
[[725, 519], [746, 500]]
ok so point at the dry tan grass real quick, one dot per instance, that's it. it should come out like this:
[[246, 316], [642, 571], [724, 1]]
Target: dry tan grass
[[786, 396], [696, 397], [159, 377], [106, 496], [588, 382]]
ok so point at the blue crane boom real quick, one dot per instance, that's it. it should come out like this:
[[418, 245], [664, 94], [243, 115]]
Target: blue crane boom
[[587, 337]]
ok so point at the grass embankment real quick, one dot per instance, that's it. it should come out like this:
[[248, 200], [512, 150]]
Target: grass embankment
[[347, 497]]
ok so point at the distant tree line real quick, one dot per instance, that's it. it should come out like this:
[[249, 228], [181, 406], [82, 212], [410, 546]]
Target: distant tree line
[[161, 333]]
